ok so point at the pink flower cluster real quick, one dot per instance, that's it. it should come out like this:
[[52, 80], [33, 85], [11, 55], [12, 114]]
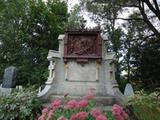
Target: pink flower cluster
[[83, 103], [119, 113], [79, 110], [56, 104], [96, 113], [46, 113], [101, 117], [79, 116], [73, 104]]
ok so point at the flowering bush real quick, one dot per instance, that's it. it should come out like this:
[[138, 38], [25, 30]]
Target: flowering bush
[[119, 113], [20, 105], [80, 110], [145, 106]]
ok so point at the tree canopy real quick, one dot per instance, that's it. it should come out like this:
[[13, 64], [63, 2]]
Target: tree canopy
[[110, 9], [134, 39], [28, 29]]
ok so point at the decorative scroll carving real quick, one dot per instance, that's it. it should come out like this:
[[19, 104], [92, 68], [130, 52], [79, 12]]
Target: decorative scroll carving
[[82, 45]]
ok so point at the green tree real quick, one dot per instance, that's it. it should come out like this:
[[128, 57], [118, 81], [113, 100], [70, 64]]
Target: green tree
[[104, 15], [149, 10], [75, 17], [150, 64], [154, 7], [141, 59], [28, 29], [141, 28], [133, 38]]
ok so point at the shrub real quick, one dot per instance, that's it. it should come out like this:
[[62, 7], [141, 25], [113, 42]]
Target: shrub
[[80, 110], [145, 106], [21, 105]]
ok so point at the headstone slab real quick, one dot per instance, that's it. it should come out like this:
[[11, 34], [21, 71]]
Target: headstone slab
[[9, 77], [82, 45], [5, 91], [81, 73], [128, 91]]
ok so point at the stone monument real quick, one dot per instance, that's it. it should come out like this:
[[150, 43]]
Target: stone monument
[[9, 80], [9, 77], [82, 63], [128, 91]]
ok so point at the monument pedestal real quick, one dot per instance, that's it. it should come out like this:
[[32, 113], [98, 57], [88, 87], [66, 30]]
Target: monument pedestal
[[81, 64]]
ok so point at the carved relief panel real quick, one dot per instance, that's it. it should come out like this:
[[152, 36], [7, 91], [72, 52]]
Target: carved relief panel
[[82, 46]]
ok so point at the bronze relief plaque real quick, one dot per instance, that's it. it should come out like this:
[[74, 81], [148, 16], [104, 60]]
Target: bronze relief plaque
[[82, 46]]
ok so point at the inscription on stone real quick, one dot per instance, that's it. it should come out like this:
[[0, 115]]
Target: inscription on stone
[[79, 73]]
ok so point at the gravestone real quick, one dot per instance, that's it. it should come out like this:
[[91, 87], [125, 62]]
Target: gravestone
[[128, 91], [9, 77], [81, 63], [5, 91]]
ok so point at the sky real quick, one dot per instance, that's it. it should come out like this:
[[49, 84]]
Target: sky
[[71, 3], [89, 23]]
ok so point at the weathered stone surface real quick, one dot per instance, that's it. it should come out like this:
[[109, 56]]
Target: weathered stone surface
[[9, 77], [53, 54], [128, 91], [78, 74], [75, 71], [5, 91], [60, 37]]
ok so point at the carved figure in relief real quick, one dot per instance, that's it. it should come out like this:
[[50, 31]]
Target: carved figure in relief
[[82, 46]]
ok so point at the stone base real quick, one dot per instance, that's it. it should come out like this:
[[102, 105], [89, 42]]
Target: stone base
[[5, 91], [103, 95], [100, 100]]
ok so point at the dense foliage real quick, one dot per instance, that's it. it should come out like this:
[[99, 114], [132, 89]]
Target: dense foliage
[[111, 9], [74, 19], [134, 38], [28, 29], [21, 105], [146, 106]]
